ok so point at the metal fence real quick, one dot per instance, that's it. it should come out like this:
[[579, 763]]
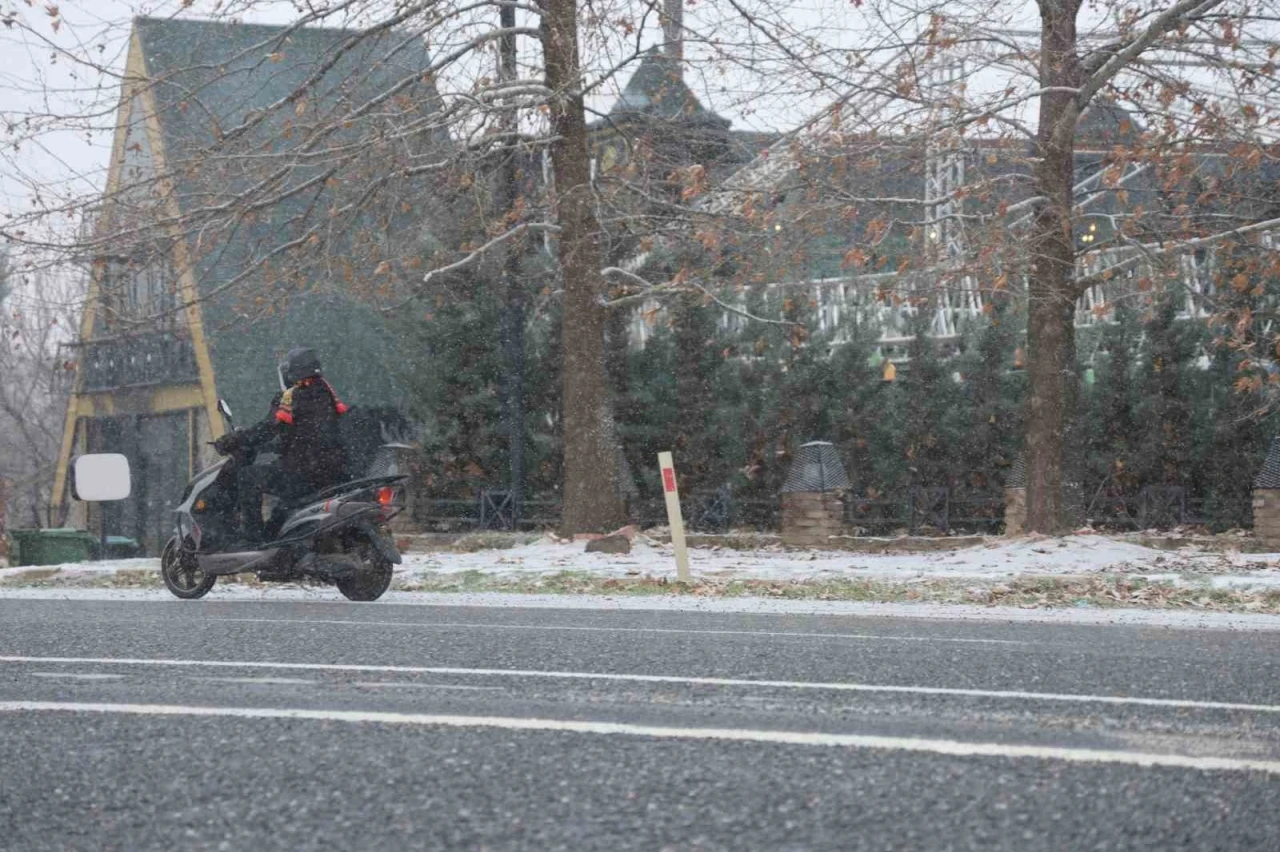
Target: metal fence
[[137, 361], [925, 510], [934, 510], [916, 511], [490, 510], [1163, 507]]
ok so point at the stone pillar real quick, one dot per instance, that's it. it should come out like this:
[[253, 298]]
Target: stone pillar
[[1015, 510], [810, 518], [812, 510], [1015, 497], [1266, 499], [407, 460], [1266, 516], [410, 495]]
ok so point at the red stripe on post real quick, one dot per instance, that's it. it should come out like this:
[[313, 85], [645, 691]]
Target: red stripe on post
[[668, 479]]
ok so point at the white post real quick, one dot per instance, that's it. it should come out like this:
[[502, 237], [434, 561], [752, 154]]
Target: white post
[[674, 518]]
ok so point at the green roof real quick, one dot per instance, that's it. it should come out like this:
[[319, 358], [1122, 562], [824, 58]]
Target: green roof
[[657, 91], [210, 79], [1106, 124]]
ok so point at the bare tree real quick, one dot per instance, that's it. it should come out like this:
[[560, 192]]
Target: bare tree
[[948, 167], [1206, 35], [37, 317], [363, 165], [329, 179], [592, 500]]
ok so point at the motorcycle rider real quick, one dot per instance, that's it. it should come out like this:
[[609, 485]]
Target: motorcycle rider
[[304, 419]]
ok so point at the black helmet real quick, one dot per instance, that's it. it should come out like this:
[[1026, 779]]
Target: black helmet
[[299, 364]]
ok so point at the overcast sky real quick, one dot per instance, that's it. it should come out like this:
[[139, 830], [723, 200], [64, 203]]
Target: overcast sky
[[39, 81]]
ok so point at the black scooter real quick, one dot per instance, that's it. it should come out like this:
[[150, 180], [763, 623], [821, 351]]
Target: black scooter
[[337, 536]]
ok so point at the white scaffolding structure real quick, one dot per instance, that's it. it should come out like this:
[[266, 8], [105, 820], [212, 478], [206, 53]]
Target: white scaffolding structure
[[947, 282], [956, 293]]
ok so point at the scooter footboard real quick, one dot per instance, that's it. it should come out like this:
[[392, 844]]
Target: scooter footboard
[[221, 564]]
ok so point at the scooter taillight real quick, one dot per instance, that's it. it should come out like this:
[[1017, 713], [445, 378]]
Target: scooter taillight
[[385, 496]]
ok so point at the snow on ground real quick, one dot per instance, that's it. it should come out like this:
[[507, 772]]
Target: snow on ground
[[997, 559], [80, 569]]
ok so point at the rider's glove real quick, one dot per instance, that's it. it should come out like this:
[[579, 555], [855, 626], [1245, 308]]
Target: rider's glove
[[227, 444]]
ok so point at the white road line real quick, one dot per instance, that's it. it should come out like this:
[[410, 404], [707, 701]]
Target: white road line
[[770, 634], [800, 738], [400, 684], [77, 675], [834, 686], [1199, 620], [270, 681]]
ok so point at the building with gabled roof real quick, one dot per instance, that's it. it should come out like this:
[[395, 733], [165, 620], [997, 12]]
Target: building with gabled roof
[[861, 224], [658, 124], [226, 236], [657, 91]]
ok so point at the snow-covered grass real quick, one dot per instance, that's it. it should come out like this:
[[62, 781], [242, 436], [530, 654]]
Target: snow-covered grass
[[996, 558], [80, 573], [1075, 570]]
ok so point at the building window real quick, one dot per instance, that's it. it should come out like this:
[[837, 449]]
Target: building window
[[142, 288]]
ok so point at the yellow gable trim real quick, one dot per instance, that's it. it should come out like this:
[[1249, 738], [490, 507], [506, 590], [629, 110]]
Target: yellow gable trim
[[134, 75], [182, 261]]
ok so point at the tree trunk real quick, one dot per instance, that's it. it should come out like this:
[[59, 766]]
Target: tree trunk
[[1051, 292], [592, 499], [513, 310]]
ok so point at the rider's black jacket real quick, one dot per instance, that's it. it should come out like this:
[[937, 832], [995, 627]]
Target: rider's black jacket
[[305, 420]]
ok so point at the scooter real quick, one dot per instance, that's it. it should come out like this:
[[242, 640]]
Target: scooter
[[338, 536]]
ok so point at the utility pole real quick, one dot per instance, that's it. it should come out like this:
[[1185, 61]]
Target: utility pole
[[513, 311], [673, 32]]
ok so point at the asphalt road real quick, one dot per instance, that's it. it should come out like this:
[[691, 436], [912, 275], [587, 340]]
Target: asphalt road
[[318, 725]]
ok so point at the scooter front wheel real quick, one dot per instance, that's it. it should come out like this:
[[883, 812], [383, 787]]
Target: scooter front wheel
[[182, 576]]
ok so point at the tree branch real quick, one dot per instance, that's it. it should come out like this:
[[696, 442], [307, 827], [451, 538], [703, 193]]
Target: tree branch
[[474, 256], [654, 291], [1105, 63], [1151, 251]]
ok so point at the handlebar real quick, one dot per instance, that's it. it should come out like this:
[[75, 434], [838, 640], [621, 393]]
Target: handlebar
[[238, 454]]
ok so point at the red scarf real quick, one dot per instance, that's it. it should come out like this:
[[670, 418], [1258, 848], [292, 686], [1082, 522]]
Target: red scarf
[[284, 411]]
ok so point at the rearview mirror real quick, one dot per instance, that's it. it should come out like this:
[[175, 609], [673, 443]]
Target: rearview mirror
[[101, 477]]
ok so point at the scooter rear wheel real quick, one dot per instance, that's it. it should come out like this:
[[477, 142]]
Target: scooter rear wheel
[[182, 576], [373, 578]]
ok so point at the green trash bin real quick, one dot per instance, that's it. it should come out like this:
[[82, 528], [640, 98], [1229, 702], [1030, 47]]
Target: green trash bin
[[122, 547], [51, 546]]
